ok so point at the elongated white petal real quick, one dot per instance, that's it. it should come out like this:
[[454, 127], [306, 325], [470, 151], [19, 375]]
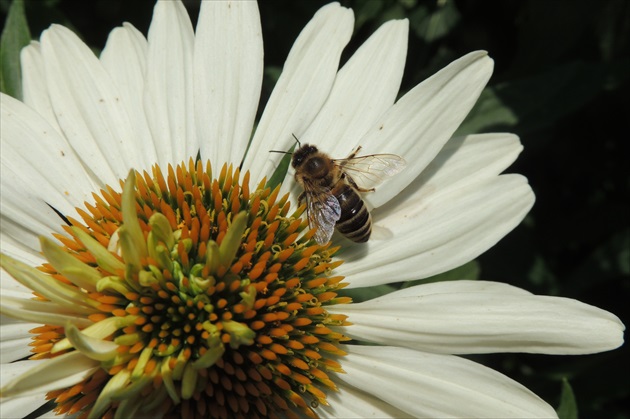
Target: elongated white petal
[[9, 284], [25, 227], [228, 70], [56, 291], [467, 159], [364, 89], [125, 60], [15, 369], [463, 286], [13, 349], [349, 402], [34, 87], [20, 407], [19, 251], [168, 98], [36, 311], [89, 107], [426, 385], [421, 122], [59, 372], [14, 339], [31, 151], [438, 231], [307, 77], [473, 320], [463, 160]]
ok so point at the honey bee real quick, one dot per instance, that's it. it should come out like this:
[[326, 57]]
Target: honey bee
[[332, 192]]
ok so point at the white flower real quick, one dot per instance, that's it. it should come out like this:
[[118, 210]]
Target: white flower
[[85, 122]]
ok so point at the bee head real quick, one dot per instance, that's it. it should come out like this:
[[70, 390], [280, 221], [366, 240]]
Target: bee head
[[302, 153]]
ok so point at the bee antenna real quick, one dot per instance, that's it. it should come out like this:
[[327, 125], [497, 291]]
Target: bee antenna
[[287, 152]]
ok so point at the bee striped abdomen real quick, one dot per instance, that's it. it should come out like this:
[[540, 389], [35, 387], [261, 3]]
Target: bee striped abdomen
[[355, 222]]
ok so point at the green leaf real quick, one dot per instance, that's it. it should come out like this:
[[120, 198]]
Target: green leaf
[[568, 406], [15, 36], [281, 171], [489, 111], [433, 25], [610, 261], [408, 4], [366, 10], [540, 274], [538, 101]]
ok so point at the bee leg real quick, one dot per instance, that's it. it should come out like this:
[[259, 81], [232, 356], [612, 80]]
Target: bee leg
[[354, 153], [301, 198], [354, 184]]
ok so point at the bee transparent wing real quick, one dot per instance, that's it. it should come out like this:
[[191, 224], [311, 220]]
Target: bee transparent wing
[[323, 211], [371, 170]]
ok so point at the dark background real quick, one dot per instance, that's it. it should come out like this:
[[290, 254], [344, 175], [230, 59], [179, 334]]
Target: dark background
[[560, 83]]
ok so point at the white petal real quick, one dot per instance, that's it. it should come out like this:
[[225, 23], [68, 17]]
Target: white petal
[[432, 385], [303, 86], [34, 311], [33, 377], [460, 163], [125, 59], [26, 227], [469, 159], [470, 320], [18, 251], [89, 107], [436, 230], [34, 88], [462, 160], [349, 402], [56, 291], [15, 369], [462, 286], [20, 407], [419, 124], [228, 70], [14, 339], [169, 96], [364, 89], [13, 349], [8, 283], [31, 151]]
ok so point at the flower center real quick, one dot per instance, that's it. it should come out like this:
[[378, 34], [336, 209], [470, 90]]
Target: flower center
[[199, 298]]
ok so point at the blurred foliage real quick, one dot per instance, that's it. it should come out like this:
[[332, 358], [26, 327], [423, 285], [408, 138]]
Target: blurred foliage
[[568, 406], [15, 35], [561, 83]]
